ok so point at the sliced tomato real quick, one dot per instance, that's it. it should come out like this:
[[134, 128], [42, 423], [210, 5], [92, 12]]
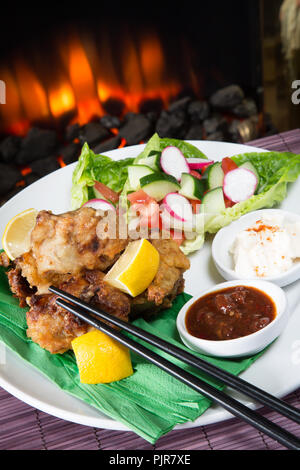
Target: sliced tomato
[[106, 192], [196, 174], [228, 202], [148, 214], [204, 168], [228, 165], [195, 205], [177, 236], [146, 208], [139, 197]]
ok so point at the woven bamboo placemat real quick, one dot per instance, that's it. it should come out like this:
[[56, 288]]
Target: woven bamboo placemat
[[25, 428]]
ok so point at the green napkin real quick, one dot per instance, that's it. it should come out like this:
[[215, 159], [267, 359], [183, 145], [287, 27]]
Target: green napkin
[[150, 402]]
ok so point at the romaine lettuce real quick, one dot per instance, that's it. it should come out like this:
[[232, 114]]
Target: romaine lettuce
[[156, 144], [275, 170], [91, 168]]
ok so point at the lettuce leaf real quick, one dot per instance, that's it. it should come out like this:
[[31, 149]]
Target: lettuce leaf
[[153, 145], [275, 170], [188, 150], [189, 246], [156, 144], [91, 168]]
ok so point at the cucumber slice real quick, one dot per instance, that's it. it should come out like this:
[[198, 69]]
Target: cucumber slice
[[191, 187], [158, 185], [136, 172], [213, 201], [214, 175], [249, 166], [153, 161]]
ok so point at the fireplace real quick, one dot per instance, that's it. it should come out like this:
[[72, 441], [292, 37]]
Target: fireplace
[[114, 75]]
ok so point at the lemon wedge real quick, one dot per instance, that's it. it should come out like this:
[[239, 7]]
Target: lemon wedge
[[16, 236], [101, 359], [135, 269]]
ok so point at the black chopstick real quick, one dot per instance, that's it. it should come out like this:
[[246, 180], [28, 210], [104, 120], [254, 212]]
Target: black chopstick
[[230, 404], [228, 379]]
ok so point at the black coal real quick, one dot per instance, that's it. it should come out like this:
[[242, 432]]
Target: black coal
[[217, 119]]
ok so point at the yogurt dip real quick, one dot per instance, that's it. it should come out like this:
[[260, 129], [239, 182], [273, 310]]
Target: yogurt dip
[[268, 248]]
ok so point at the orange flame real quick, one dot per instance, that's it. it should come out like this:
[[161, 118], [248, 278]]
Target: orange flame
[[61, 100], [12, 113], [61, 162], [32, 93], [89, 75], [26, 171], [83, 83], [123, 143]]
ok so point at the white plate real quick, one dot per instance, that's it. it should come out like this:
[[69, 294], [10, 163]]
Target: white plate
[[277, 371]]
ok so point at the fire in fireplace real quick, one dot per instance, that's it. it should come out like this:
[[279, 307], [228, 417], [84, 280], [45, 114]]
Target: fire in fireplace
[[115, 76], [88, 79]]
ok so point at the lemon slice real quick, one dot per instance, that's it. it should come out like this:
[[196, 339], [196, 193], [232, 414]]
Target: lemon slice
[[135, 269], [16, 236], [101, 359]]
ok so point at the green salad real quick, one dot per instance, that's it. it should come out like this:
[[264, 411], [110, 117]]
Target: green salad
[[172, 183]]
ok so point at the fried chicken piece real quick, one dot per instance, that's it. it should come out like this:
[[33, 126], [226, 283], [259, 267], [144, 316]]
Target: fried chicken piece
[[142, 306], [4, 260], [53, 328], [67, 244], [172, 265], [108, 298], [71, 251], [19, 286]]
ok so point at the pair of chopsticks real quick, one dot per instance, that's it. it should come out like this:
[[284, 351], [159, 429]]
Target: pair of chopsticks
[[83, 310]]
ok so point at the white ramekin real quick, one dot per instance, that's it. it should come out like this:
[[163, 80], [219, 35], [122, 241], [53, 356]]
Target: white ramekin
[[246, 345], [225, 237]]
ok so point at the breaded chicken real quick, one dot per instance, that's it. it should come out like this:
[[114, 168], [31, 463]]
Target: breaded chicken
[[71, 251], [53, 328], [67, 244], [19, 286], [172, 265]]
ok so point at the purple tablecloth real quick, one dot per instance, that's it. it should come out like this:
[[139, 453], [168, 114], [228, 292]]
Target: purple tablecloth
[[23, 427]]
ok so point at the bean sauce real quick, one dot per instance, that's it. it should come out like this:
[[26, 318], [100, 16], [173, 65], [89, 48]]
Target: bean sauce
[[230, 313]]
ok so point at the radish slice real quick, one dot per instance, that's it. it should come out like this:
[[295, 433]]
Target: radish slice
[[173, 162], [198, 163], [99, 204], [178, 207], [170, 223], [239, 184]]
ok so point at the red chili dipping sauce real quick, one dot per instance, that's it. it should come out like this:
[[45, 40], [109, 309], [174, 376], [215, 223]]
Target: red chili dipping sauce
[[230, 313]]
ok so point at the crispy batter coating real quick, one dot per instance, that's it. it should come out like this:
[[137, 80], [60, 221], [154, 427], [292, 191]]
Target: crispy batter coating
[[67, 244], [71, 251], [4, 260], [106, 297], [53, 328], [19, 286], [172, 265]]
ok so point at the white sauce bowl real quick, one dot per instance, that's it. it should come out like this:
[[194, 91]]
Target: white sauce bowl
[[246, 345], [224, 239]]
